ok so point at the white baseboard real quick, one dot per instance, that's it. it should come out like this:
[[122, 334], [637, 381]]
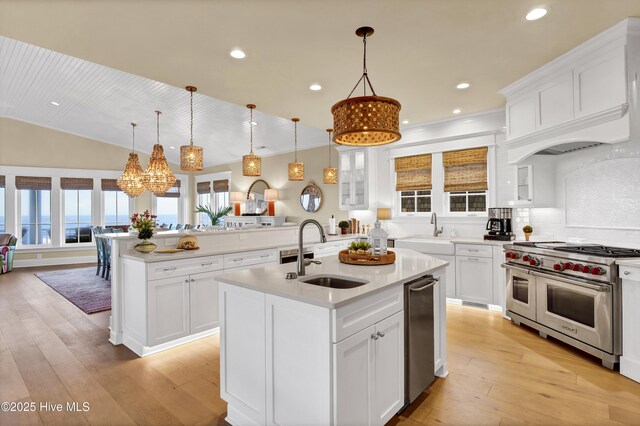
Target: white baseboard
[[630, 367], [51, 261]]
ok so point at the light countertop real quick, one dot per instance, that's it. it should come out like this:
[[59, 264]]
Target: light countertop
[[271, 279], [635, 263]]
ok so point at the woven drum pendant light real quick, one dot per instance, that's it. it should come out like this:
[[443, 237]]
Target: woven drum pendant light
[[330, 174], [251, 163], [366, 120], [296, 169], [191, 155], [131, 180], [158, 178]]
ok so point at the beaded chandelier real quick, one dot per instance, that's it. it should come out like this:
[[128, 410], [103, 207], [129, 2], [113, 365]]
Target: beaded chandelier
[[251, 163], [296, 169], [366, 120], [191, 155], [330, 174], [158, 178], [131, 180]]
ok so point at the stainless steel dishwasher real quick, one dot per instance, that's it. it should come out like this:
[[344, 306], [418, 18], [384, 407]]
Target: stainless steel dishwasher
[[419, 364]]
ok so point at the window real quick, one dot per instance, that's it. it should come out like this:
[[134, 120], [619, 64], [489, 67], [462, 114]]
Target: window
[[116, 204], [465, 180], [168, 206], [35, 209], [220, 194], [204, 199], [413, 184], [77, 209], [3, 210]]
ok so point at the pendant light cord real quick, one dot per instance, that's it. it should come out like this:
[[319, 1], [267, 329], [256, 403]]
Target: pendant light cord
[[191, 139], [158, 127], [365, 76], [251, 131], [295, 139], [133, 134], [329, 149]]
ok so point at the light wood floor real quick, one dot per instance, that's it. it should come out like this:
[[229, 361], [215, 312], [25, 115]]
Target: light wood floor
[[499, 373]]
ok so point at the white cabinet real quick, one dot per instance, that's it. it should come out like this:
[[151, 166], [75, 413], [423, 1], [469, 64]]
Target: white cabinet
[[521, 116], [168, 302], [534, 183], [523, 185], [388, 367], [630, 359], [555, 102], [354, 179], [474, 274], [203, 301], [329, 249]]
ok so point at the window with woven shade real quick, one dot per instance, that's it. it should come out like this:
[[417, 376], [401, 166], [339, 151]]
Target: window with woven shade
[[168, 205], [465, 180], [3, 205], [413, 184], [115, 203], [173, 192], [203, 187], [76, 196], [221, 194], [34, 220]]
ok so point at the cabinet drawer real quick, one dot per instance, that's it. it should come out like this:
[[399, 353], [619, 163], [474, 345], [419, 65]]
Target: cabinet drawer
[[176, 268], [248, 258], [329, 248], [356, 316], [476, 250], [630, 273]]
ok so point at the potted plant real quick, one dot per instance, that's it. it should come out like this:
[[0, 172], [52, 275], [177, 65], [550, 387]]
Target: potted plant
[[359, 250], [214, 216], [528, 230], [144, 223], [343, 225]]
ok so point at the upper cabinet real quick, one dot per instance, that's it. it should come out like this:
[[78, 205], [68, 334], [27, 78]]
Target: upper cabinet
[[585, 95], [355, 178]]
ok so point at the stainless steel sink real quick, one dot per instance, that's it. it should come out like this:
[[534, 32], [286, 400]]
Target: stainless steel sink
[[334, 281]]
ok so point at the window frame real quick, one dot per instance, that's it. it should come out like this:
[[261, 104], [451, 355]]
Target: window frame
[[212, 194], [103, 211], [180, 220], [399, 197], [467, 213], [19, 223], [3, 196], [63, 219]]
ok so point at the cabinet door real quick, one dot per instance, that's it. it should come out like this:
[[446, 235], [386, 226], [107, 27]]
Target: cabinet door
[[555, 102], [346, 180], [521, 117], [203, 301], [360, 180], [168, 309], [524, 185], [474, 279], [388, 395], [353, 378]]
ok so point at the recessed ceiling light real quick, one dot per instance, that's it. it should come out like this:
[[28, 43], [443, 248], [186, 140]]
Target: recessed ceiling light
[[536, 13], [254, 123], [172, 147], [261, 147], [237, 53], [54, 103], [405, 121], [315, 87], [463, 85], [457, 111]]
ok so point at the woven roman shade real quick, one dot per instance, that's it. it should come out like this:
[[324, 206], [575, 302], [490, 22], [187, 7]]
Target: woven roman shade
[[76, 183], [173, 192], [465, 170], [2, 182], [33, 182], [413, 173], [109, 185], [203, 187], [221, 186]]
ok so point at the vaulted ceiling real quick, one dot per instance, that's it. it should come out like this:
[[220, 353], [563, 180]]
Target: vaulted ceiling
[[135, 57]]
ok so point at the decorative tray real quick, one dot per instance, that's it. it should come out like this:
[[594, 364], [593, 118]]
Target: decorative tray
[[368, 260]]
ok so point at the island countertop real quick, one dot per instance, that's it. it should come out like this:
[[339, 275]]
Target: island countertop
[[271, 279]]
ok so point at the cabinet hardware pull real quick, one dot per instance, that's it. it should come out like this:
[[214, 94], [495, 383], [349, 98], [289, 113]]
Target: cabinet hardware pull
[[381, 334], [627, 272], [192, 280], [374, 337], [169, 269], [473, 250], [206, 264], [240, 259], [475, 259], [264, 255]]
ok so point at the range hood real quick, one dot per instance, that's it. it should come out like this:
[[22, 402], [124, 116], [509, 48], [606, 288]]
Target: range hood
[[584, 98]]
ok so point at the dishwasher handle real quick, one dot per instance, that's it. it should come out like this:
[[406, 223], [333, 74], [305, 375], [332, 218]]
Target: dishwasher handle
[[431, 283]]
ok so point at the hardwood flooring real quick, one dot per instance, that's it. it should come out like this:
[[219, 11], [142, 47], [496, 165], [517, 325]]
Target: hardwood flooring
[[499, 373]]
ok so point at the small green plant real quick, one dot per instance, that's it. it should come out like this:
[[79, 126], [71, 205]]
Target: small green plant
[[343, 224], [359, 246], [214, 216], [528, 229]]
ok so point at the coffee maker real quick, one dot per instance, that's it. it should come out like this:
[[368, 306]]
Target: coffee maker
[[499, 224]]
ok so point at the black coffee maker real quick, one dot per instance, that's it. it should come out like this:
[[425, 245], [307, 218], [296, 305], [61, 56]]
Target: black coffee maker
[[499, 224]]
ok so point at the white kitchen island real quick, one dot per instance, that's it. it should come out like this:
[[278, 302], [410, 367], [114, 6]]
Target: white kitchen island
[[293, 353]]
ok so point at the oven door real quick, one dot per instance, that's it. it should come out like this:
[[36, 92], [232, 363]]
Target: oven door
[[578, 308], [521, 292]]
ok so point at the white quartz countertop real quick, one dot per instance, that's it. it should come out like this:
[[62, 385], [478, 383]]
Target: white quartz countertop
[[271, 279], [635, 263]]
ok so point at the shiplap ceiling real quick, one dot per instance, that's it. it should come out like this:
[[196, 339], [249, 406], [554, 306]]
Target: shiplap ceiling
[[420, 50]]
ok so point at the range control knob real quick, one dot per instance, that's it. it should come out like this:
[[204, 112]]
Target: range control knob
[[509, 255], [597, 271], [586, 269], [525, 258], [533, 261], [577, 267], [558, 267], [515, 255], [568, 265]]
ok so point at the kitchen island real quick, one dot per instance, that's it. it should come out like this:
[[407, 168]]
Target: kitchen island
[[297, 353]]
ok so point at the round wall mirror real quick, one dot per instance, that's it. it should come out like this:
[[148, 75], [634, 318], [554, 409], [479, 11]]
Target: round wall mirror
[[256, 204], [311, 198]]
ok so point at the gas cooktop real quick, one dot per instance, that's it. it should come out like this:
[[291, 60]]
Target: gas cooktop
[[598, 250]]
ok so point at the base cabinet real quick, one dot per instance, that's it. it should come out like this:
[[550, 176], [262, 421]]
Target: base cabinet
[[203, 301], [474, 279], [168, 310]]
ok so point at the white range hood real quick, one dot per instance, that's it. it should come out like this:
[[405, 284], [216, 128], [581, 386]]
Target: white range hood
[[584, 98]]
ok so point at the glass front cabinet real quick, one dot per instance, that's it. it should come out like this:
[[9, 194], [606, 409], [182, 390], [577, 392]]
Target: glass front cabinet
[[353, 181]]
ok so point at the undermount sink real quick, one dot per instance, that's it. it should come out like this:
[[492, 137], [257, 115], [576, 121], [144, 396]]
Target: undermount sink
[[427, 245], [333, 281]]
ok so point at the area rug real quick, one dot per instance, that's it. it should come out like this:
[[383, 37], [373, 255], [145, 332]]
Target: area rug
[[80, 286]]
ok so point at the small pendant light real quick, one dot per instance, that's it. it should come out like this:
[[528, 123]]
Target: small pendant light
[[158, 177], [330, 174], [296, 169], [251, 163], [191, 155], [131, 180]]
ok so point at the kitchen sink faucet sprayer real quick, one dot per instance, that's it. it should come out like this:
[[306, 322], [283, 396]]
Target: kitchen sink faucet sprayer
[[434, 222], [302, 262]]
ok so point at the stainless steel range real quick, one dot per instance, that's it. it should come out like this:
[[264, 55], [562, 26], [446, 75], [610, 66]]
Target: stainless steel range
[[569, 292]]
